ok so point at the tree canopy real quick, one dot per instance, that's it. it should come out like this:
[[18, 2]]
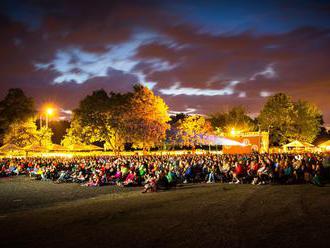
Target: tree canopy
[[24, 133], [146, 119], [288, 120], [140, 118], [236, 118], [15, 107], [192, 131], [137, 117]]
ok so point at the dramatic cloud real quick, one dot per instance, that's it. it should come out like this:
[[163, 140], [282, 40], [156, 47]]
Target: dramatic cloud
[[201, 57]]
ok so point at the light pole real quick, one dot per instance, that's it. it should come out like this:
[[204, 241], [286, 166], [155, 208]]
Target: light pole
[[49, 112], [260, 140], [40, 120]]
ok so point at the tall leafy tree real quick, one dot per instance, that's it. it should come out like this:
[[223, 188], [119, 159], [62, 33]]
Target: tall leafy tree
[[307, 121], [288, 120], [277, 116], [99, 118], [146, 119], [15, 107], [172, 137], [77, 134], [44, 136], [25, 133], [193, 131]]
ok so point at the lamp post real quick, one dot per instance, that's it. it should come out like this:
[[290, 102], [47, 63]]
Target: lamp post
[[49, 112], [40, 120], [260, 140]]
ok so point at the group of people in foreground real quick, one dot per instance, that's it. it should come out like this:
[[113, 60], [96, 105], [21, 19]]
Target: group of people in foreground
[[166, 171]]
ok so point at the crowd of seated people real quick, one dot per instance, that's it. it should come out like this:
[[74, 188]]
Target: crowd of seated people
[[163, 172]]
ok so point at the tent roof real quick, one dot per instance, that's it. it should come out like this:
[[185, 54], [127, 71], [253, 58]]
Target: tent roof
[[9, 147], [306, 144], [324, 144], [94, 147], [83, 147], [55, 147], [36, 148], [295, 143]]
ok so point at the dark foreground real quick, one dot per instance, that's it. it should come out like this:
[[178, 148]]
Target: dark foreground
[[42, 214]]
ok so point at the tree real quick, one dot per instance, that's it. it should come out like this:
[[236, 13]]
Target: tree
[[77, 133], [146, 119], [139, 117], [172, 137], [236, 118], [288, 120], [25, 133], [276, 116], [193, 131], [44, 136], [307, 121], [99, 118], [15, 107], [22, 133]]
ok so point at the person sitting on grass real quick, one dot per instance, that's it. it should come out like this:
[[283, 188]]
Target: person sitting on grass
[[151, 184], [94, 181], [237, 172], [211, 175], [171, 178], [131, 179]]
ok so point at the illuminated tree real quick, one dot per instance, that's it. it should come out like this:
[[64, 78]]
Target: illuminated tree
[[99, 118], [288, 120], [193, 130], [236, 118], [15, 107], [44, 136], [277, 113], [307, 121], [22, 133], [146, 119], [73, 134], [172, 137], [139, 117]]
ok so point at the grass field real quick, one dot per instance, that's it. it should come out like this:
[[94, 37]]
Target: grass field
[[44, 214]]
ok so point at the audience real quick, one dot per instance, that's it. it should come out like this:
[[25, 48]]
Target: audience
[[163, 172]]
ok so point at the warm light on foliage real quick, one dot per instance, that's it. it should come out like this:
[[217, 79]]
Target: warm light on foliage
[[235, 119], [192, 130], [139, 118], [147, 118], [25, 133]]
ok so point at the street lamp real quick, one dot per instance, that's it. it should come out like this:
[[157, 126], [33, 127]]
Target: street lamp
[[49, 112]]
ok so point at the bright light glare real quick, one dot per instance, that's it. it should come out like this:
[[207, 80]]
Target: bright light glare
[[49, 111]]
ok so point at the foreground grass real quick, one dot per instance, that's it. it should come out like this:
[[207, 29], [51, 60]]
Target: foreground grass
[[202, 215]]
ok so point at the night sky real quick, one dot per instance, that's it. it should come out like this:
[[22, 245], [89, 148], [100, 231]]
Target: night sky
[[200, 56]]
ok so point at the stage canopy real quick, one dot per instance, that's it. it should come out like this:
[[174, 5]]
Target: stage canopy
[[36, 148], [83, 147], [325, 145], [55, 147], [298, 145], [9, 148]]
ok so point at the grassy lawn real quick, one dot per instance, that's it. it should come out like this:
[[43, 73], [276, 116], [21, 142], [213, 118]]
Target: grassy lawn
[[35, 214]]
